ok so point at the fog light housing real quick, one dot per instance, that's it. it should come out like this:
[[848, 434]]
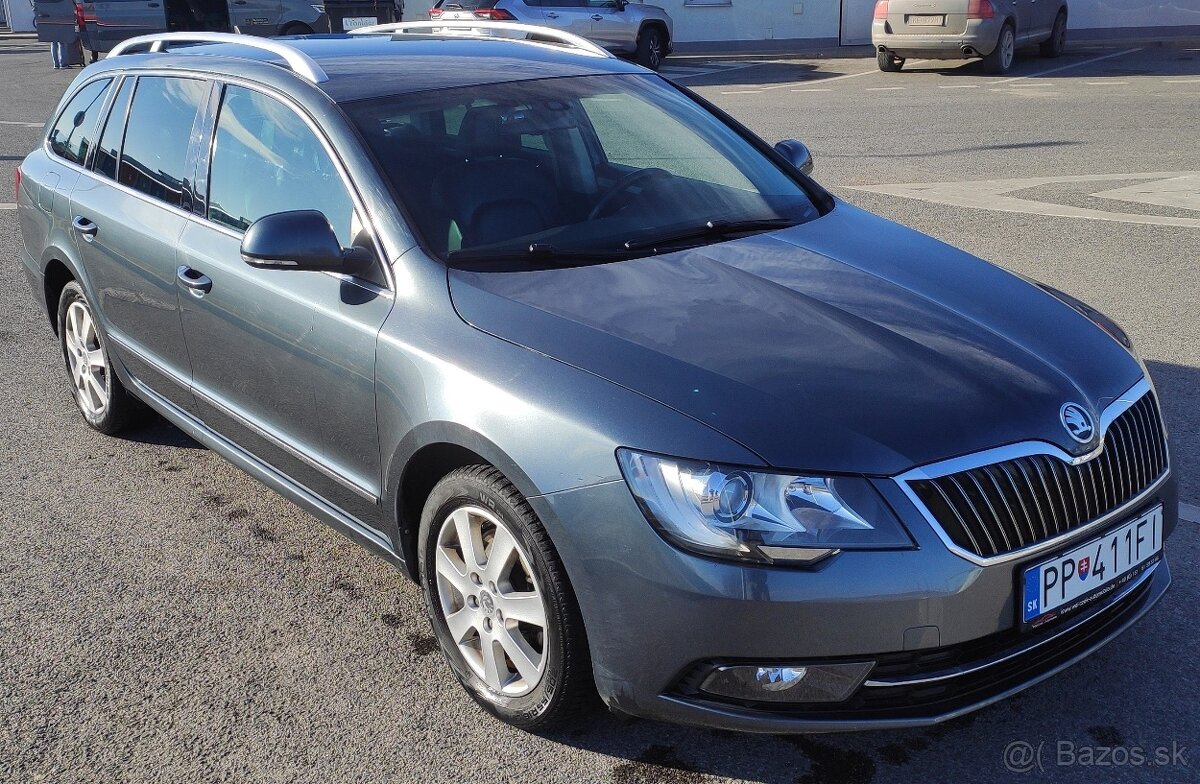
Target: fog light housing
[[787, 682]]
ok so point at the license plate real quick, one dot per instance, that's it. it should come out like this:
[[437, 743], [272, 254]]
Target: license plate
[[926, 20], [355, 22], [1079, 577]]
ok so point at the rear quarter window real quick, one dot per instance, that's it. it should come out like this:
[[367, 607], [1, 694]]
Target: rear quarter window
[[74, 132]]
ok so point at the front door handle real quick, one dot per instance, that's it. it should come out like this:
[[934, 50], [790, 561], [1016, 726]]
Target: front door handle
[[85, 227], [551, 15], [199, 283], [597, 17]]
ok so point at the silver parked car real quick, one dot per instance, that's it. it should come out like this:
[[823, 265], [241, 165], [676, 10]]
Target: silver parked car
[[643, 32], [961, 29]]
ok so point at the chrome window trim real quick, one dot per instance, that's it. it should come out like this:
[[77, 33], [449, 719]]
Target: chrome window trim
[[333, 474], [1025, 449], [368, 218]]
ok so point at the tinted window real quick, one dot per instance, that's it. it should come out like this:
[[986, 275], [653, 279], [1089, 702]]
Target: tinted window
[[154, 156], [266, 160], [110, 141], [73, 134]]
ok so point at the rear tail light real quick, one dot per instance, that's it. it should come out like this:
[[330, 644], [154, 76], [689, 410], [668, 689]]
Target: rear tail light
[[981, 9], [881, 9], [435, 13], [17, 185], [495, 14]]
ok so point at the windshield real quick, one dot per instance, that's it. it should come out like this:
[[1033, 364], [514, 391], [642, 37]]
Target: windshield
[[573, 169]]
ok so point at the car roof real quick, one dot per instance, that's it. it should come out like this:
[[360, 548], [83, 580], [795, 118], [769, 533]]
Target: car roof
[[371, 66]]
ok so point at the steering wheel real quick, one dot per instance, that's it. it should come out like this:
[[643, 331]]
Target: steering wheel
[[622, 185]]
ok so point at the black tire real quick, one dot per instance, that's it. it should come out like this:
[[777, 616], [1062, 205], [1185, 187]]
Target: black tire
[[888, 62], [296, 28], [566, 688], [1001, 59], [121, 408], [651, 50], [1054, 45]]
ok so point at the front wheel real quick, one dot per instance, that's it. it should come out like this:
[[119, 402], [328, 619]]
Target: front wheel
[[1054, 45], [888, 62], [650, 50], [500, 602], [1001, 59]]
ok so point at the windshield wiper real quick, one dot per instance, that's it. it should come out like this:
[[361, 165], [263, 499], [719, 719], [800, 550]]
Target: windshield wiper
[[712, 228], [538, 253]]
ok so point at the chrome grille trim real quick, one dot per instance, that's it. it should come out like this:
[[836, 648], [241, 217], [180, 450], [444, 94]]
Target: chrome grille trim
[[1057, 496]]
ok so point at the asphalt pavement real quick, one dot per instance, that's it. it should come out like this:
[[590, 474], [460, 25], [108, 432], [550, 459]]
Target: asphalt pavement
[[164, 618]]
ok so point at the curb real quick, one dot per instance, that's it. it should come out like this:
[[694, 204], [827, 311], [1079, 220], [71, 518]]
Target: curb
[[1189, 512]]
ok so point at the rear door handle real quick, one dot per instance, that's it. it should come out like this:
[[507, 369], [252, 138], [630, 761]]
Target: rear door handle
[[85, 227], [551, 15], [199, 283]]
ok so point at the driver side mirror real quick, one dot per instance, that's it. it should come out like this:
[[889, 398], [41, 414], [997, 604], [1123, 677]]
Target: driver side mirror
[[299, 240], [619, 4], [796, 154]]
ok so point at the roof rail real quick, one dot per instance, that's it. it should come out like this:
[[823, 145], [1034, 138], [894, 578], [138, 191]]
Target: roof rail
[[299, 63], [532, 32]]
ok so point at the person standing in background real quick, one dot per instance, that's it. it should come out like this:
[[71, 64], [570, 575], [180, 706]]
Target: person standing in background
[[399, 10], [61, 32]]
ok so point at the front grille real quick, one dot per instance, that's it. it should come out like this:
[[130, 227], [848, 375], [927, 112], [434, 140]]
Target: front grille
[[1002, 507]]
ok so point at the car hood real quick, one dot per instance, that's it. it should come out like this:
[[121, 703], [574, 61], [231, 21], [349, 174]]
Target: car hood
[[846, 344]]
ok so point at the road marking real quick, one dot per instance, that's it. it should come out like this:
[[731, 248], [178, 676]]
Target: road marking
[[993, 195], [740, 92], [1177, 192], [1189, 512], [1067, 67], [23, 124], [4, 205], [885, 88], [1105, 84], [815, 90], [1181, 81], [957, 86]]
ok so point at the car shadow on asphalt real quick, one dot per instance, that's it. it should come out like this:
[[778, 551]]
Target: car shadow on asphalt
[[159, 432]]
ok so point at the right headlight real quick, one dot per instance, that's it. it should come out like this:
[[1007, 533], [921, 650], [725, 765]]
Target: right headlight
[[755, 515]]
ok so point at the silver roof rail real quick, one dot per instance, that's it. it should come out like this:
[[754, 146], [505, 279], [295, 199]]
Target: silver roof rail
[[300, 63], [532, 32]]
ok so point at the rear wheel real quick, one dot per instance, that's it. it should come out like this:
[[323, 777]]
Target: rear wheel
[[500, 602], [1001, 59], [1054, 45], [651, 48], [102, 400], [888, 62], [296, 28]]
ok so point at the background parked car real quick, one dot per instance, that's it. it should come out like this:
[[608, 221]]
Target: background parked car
[[108, 22], [958, 29], [644, 32]]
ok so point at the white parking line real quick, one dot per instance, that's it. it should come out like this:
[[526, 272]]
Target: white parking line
[[5, 205], [885, 88], [1181, 81], [23, 124], [740, 92], [1106, 84], [1072, 65], [957, 86], [1189, 512], [815, 90]]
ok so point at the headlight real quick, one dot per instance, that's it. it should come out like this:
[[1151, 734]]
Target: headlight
[[754, 515], [320, 9]]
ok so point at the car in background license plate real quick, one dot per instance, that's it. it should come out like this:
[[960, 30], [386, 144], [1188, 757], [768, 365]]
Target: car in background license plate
[[355, 22], [1069, 581], [925, 20]]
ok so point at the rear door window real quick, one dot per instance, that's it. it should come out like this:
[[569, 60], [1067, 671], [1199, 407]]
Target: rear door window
[[158, 135], [75, 130], [109, 151]]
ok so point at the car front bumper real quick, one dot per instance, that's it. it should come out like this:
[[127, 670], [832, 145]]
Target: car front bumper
[[942, 631], [978, 40]]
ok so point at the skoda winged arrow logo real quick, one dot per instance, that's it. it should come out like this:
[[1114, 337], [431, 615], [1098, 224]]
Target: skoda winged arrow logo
[[1078, 422]]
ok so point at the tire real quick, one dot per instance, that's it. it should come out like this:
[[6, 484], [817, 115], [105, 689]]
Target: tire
[[650, 48], [1001, 59], [1054, 45], [554, 685], [296, 28], [98, 393], [888, 62]]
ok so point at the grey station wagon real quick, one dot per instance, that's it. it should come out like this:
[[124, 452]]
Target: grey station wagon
[[644, 409]]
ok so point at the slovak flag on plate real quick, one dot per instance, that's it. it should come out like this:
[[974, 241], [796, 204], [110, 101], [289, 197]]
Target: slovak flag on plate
[[1085, 564]]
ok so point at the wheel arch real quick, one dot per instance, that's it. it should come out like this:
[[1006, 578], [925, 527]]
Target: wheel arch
[[426, 455], [662, 28]]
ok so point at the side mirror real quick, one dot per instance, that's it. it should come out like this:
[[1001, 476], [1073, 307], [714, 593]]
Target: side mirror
[[797, 154], [298, 240], [619, 4]]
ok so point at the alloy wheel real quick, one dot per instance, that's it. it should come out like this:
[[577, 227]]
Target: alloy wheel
[[1007, 48], [85, 359], [494, 608]]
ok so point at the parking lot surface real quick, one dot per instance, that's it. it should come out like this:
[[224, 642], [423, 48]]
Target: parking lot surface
[[164, 618]]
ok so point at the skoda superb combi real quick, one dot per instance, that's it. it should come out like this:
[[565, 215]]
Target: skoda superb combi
[[644, 409]]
